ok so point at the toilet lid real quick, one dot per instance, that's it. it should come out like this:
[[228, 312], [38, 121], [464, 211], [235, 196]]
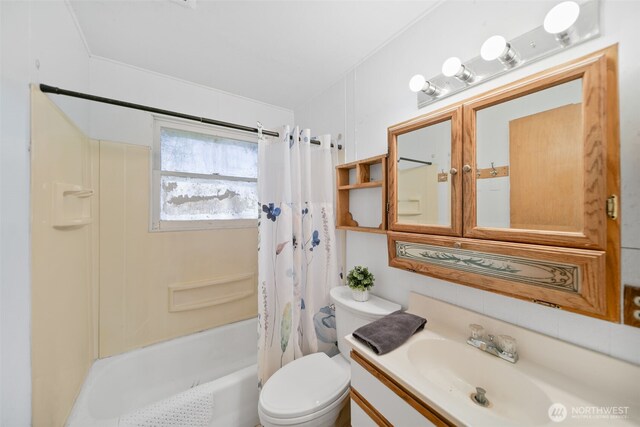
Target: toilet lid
[[304, 386]]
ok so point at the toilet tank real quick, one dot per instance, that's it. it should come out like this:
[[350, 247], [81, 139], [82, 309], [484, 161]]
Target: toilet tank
[[351, 314]]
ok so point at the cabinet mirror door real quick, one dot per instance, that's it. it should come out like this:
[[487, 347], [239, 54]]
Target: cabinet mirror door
[[535, 165], [424, 183]]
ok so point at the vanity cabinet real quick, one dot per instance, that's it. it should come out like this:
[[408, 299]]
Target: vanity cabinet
[[516, 191], [379, 400]]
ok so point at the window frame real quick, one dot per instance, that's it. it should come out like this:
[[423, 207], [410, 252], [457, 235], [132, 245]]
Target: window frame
[[158, 225]]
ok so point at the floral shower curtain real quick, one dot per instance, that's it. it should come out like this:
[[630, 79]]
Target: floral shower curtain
[[297, 252]]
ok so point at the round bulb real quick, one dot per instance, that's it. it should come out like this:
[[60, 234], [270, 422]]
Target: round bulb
[[493, 47], [561, 17], [417, 83], [451, 66]]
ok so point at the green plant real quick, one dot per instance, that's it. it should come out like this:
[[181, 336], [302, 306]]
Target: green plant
[[360, 278]]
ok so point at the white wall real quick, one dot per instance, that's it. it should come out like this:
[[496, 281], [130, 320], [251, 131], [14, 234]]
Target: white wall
[[31, 32], [45, 32], [124, 82], [375, 95]]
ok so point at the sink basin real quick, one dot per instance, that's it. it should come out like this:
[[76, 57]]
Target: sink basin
[[457, 369]]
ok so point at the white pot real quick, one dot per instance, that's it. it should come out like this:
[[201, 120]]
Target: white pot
[[360, 295]]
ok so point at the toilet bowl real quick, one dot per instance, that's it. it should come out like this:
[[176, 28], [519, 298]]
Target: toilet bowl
[[313, 391], [310, 391]]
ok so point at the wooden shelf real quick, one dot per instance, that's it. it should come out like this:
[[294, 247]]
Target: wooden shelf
[[362, 168], [362, 229], [370, 184]]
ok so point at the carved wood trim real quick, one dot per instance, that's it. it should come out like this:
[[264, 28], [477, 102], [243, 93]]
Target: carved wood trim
[[591, 298]]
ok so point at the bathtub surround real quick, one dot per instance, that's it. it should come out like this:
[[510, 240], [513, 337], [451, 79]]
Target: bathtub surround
[[102, 287], [375, 95], [63, 260], [209, 275], [297, 253]]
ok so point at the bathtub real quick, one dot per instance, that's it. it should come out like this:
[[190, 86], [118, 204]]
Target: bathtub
[[220, 362]]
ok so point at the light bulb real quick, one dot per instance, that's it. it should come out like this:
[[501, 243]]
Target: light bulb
[[497, 47], [561, 17], [493, 47], [417, 83], [451, 66]]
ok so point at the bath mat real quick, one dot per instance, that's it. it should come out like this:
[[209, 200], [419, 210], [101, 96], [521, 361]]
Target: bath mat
[[191, 408]]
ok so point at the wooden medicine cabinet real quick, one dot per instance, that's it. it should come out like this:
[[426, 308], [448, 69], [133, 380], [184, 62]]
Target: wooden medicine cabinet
[[517, 190]]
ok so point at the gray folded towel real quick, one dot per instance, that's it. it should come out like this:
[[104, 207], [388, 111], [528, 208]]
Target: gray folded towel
[[390, 331]]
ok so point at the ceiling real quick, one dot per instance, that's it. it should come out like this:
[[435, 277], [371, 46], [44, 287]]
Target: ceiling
[[279, 52]]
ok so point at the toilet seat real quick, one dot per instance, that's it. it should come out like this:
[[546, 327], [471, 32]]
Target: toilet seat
[[304, 388]]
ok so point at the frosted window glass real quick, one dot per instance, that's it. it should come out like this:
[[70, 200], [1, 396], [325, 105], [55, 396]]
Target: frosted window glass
[[192, 199], [192, 152]]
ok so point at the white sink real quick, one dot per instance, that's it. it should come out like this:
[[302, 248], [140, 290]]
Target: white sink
[[457, 369], [439, 367]]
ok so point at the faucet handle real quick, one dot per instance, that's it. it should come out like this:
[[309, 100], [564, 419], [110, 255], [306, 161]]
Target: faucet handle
[[477, 331], [507, 344]]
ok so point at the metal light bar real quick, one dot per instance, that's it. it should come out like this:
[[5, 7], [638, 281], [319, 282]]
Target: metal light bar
[[530, 47]]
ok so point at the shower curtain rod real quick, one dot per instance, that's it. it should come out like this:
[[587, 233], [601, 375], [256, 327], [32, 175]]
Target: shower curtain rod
[[55, 90], [407, 159]]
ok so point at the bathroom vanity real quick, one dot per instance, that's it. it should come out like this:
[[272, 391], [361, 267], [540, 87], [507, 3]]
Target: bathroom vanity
[[378, 399], [433, 379]]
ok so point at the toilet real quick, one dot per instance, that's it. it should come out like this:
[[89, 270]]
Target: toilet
[[313, 391]]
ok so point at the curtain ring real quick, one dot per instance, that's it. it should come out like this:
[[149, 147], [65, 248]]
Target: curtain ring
[[259, 125]]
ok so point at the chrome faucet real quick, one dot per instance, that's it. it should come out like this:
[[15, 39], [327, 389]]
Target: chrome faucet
[[503, 346]]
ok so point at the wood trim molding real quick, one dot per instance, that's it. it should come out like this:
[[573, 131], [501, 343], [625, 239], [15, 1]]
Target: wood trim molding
[[372, 412], [415, 402], [612, 143]]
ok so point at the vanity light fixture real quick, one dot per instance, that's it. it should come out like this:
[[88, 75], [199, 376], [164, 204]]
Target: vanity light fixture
[[560, 21], [453, 67], [567, 24], [497, 47], [419, 84]]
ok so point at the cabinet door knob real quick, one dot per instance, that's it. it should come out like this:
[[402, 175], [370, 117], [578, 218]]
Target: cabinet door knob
[[457, 245], [466, 168], [453, 171]]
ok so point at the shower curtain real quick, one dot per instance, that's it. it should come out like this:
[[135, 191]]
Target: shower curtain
[[297, 251]]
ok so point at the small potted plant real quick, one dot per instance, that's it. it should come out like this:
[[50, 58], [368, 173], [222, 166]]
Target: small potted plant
[[360, 280]]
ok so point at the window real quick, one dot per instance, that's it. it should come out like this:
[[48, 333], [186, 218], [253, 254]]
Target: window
[[203, 177]]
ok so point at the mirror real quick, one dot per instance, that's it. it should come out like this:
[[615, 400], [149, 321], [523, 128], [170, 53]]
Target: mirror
[[529, 161], [423, 162]]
